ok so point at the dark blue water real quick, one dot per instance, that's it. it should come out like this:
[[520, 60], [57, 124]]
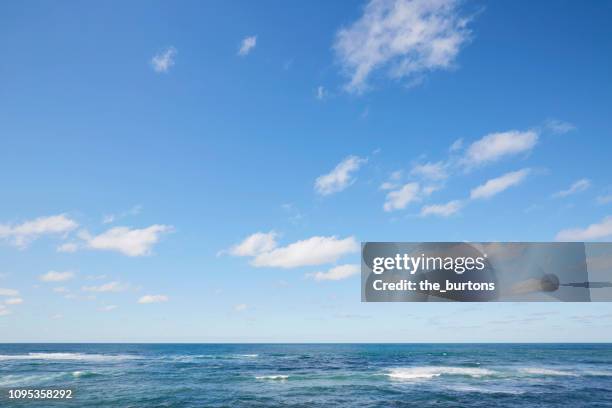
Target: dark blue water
[[339, 375]]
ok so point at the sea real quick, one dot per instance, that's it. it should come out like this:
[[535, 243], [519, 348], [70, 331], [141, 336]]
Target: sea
[[310, 375]]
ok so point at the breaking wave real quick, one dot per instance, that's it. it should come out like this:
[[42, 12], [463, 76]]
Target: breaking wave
[[272, 377], [66, 356], [425, 373]]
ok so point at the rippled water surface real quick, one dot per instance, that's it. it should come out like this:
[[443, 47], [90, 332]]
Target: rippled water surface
[[319, 375]]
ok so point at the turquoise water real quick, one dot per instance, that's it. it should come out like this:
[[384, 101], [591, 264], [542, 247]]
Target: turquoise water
[[311, 375]]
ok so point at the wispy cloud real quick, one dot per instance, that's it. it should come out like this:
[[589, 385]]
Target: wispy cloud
[[68, 247], [340, 177], [164, 60], [400, 198], [604, 199], [9, 292], [54, 276], [577, 187], [317, 250], [146, 299], [107, 308], [126, 240], [4, 311], [442, 210], [321, 93], [106, 287], [13, 301], [110, 218], [499, 184], [336, 273], [247, 45], [61, 289], [21, 235], [407, 38], [593, 232], [255, 244], [496, 146], [431, 171], [456, 145], [241, 307], [558, 126]]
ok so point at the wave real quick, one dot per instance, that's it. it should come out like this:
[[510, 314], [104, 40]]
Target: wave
[[272, 377], [598, 373], [429, 372], [192, 358], [485, 390], [84, 374], [13, 380], [542, 371], [66, 356]]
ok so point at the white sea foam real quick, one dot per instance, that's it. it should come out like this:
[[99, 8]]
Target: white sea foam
[[272, 377], [429, 372], [598, 373], [21, 380], [485, 390], [65, 356], [547, 372], [248, 355]]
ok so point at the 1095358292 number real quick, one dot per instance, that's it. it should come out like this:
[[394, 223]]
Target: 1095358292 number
[[39, 394]]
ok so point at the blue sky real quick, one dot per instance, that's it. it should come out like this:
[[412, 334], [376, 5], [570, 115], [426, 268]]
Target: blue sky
[[204, 171]]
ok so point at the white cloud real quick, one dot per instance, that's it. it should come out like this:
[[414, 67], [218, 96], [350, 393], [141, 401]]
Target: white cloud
[[53, 276], [394, 178], [107, 308], [388, 185], [428, 190], [255, 244], [9, 292], [23, 234], [336, 273], [164, 60], [61, 289], [107, 287], [399, 199], [14, 301], [68, 247], [396, 175], [559, 127], [4, 311], [312, 251], [128, 241], [591, 233], [577, 187], [495, 146], [247, 45], [340, 177], [321, 93], [499, 184], [457, 145], [153, 299], [443, 210], [241, 307], [110, 218], [406, 37], [431, 171]]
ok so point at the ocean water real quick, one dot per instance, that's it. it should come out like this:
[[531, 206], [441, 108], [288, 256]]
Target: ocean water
[[311, 375]]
